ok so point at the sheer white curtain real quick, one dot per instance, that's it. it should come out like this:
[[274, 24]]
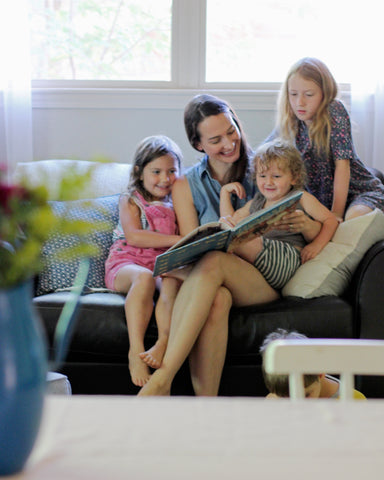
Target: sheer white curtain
[[15, 84], [367, 101]]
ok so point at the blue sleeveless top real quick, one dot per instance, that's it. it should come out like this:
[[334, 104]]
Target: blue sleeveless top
[[206, 192]]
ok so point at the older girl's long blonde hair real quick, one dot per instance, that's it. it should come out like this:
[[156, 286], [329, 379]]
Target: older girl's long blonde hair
[[320, 128]]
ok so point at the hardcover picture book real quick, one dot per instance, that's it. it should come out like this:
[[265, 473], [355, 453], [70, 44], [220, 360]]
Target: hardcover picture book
[[220, 236]]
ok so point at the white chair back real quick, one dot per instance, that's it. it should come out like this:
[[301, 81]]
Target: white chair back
[[347, 357]]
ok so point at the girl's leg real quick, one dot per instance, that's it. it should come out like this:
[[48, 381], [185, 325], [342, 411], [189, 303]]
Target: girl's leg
[[140, 285], [249, 250], [168, 291], [193, 308], [206, 360], [357, 211]]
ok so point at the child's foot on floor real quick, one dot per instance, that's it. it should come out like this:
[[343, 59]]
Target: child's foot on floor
[[154, 356], [139, 371]]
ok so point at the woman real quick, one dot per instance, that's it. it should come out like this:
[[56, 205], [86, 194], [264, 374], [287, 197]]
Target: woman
[[199, 325]]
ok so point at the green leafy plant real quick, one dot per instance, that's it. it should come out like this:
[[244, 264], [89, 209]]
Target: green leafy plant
[[27, 221]]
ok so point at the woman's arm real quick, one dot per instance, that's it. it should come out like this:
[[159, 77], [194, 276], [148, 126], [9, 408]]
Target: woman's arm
[[130, 221], [187, 218], [340, 188]]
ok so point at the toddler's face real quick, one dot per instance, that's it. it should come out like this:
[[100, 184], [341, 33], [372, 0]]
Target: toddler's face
[[273, 182], [313, 390]]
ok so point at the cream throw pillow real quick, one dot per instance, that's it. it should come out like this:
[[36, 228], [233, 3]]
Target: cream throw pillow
[[330, 272]]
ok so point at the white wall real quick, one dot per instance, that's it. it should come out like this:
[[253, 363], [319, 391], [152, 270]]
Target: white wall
[[110, 123]]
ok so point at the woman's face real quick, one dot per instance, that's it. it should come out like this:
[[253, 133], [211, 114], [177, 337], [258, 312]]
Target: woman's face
[[305, 97], [220, 138]]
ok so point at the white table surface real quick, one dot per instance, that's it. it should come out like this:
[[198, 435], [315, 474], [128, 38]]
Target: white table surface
[[114, 437]]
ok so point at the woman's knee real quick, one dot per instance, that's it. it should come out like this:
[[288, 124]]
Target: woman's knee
[[212, 262]]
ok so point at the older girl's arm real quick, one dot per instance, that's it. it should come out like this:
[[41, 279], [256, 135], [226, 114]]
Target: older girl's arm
[[340, 188], [329, 225]]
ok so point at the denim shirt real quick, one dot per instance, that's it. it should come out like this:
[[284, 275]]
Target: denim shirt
[[206, 192]]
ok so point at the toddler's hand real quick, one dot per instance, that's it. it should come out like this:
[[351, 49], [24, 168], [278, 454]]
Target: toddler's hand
[[228, 220], [234, 187]]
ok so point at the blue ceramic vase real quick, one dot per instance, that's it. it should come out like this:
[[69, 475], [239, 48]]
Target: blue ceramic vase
[[23, 369]]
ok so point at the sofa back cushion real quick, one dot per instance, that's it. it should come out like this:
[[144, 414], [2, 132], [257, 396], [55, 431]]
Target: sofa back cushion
[[60, 275], [330, 272]]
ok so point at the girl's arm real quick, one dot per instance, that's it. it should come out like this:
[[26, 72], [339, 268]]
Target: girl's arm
[[187, 218], [329, 224], [340, 188], [130, 221], [227, 212]]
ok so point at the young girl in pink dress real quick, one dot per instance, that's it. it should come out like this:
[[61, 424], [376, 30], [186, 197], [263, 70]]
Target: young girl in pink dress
[[147, 227]]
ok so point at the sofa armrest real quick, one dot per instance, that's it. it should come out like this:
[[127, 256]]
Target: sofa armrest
[[366, 294]]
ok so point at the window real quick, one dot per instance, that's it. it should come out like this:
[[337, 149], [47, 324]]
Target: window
[[190, 43], [101, 40], [250, 41]]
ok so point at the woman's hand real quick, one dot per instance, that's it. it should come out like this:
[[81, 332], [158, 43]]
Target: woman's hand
[[299, 222]]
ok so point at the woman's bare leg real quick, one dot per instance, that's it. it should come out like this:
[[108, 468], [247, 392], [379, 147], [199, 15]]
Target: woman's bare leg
[[206, 360], [193, 307]]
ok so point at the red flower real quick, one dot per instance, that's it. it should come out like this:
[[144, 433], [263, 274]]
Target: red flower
[[9, 194]]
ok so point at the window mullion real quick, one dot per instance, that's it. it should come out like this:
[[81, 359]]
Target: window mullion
[[188, 43]]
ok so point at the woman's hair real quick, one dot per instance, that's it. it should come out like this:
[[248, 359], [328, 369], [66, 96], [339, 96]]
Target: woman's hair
[[203, 106], [148, 150], [276, 383], [286, 155], [320, 129]]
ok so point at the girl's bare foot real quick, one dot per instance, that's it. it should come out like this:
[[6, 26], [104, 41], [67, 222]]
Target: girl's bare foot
[[155, 387], [139, 371], [154, 356]]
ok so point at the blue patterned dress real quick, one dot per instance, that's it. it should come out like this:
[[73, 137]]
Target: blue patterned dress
[[364, 188]]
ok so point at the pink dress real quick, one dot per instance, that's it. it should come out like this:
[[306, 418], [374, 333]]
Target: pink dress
[[156, 217]]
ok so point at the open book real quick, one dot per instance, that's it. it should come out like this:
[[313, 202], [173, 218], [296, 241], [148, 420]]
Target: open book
[[220, 236]]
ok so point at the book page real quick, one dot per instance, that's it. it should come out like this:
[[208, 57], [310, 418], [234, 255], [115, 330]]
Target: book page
[[261, 221], [200, 232]]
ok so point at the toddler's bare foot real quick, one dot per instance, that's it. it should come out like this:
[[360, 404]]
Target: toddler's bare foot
[[154, 356], [139, 371], [155, 387]]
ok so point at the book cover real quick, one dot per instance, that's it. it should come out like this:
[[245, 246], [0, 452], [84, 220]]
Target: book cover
[[219, 236]]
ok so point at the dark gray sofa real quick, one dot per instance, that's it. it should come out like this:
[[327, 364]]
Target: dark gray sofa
[[97, 359]]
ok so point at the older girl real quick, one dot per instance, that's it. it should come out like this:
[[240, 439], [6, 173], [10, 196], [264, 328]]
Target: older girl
[[319, 125]]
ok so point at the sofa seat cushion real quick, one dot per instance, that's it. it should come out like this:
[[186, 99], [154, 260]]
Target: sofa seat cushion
[[101, 332], [327, 316]]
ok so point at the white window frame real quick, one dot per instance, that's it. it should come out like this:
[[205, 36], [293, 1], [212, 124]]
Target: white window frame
[[187, 76]]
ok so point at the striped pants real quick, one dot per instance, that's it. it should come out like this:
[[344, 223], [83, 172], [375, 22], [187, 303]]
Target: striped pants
[[277, 262]]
